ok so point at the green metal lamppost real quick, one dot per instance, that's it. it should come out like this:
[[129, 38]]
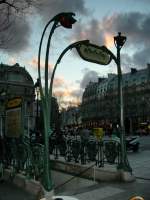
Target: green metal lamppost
[[103, 56], [66, 20], [37, 91], [119, 41]]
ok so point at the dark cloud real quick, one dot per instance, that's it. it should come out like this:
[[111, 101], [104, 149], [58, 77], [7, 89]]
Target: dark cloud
[[16, 38], [88, 76], [141, 58], [49, 8], [91, 30], [134, 25], [15, 29]]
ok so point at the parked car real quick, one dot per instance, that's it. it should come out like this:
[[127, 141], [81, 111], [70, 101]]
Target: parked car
[[133, 143]]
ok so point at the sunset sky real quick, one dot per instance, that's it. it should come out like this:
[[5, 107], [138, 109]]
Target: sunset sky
[[97, 20]]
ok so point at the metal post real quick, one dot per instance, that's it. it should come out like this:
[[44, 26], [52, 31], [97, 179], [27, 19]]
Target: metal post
[[66, 20], [46, 115], [37, 109], [124, 164]]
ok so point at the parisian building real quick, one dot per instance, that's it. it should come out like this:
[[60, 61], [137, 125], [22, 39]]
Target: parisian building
[[100, 105], [20, 111], [16, 100], [71, 117]]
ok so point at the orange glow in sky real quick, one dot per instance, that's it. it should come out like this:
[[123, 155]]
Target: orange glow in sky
[[109, 40], [34, 63]]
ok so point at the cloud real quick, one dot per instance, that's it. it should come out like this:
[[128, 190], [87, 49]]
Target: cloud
[[66, 93], [141, 58], [15, 30], [67, 97], [92, 31], [88, 76], [59, 82], [34, 64], [77, 93], [14, 26], [135, 25], [15, 37], [12, 60], [62, 93], [49, 8]]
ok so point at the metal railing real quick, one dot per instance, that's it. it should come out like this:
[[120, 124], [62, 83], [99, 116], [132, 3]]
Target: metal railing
[[21, 155], [73, 149]]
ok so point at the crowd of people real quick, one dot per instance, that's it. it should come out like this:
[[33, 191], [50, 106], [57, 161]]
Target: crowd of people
[[78, 133]]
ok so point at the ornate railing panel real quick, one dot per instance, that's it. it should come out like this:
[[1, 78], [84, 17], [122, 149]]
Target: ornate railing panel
[[26, 156], [21, 155], [73, 149]]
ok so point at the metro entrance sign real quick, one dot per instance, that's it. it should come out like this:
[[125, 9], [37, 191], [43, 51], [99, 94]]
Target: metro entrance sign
[[103, 56], [94, 53]]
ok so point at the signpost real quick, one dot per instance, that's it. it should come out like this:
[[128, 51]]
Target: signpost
[[13, 122], [103, 56], [94, 53]]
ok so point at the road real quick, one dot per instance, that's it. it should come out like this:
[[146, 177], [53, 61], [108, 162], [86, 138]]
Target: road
[[144, 143]]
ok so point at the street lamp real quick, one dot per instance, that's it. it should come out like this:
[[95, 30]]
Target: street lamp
[[66, 20], [103, 56], [37, 91], [119, 41]]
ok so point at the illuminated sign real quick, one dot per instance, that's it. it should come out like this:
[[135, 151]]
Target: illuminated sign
[[94, 53], [14, 102]]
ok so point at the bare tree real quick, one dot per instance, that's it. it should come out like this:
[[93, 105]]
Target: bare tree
[[17, 5], [10, 10]]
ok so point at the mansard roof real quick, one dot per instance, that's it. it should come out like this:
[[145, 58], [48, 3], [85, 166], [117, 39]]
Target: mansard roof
[[15, 73]]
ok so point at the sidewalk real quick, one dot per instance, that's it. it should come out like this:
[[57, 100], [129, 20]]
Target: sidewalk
[[140, 163], [84, 189]]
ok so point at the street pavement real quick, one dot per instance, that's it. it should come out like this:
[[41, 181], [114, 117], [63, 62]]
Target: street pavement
[[84, 189], [11, 192], [140, 163]]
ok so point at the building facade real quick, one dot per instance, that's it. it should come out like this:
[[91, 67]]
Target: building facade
[[70, 117], [100, 106], [16, 100]]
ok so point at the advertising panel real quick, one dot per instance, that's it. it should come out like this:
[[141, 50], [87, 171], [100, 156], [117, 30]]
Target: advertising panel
[[14, 118], [13, 122]]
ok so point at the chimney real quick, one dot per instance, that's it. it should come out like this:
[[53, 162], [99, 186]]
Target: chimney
[[148, 70], [133, 70], [100, 79]]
